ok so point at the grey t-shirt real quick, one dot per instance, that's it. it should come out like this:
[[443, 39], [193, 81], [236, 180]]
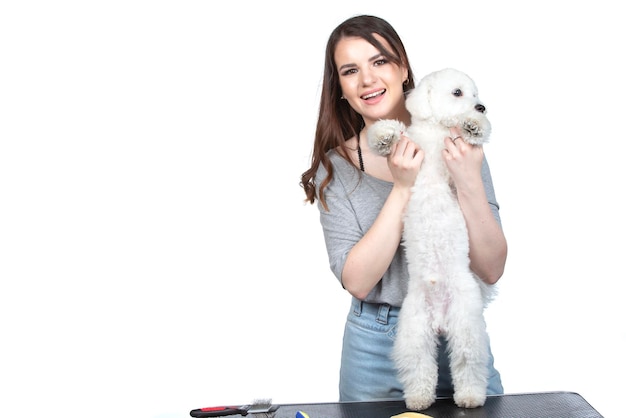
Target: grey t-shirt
[[354, 201]]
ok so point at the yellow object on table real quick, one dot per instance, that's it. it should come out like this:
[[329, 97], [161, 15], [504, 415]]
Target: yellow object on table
[[411, 415]]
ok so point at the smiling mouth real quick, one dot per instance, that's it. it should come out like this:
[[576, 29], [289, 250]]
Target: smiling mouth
[[375, 94]]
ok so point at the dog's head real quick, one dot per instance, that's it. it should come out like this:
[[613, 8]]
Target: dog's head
[[450, 98]]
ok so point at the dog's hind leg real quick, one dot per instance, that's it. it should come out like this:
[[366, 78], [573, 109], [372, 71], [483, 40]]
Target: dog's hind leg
[[415, 353], [468, 348]]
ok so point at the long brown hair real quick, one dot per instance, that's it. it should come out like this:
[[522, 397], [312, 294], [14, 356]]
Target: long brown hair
[[337, 121]]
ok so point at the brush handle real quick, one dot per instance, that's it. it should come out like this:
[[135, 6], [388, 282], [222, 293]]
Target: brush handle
[[219, 411]]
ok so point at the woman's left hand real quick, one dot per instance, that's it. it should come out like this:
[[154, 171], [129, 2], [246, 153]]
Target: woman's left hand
[[488, 247], [464, 160]]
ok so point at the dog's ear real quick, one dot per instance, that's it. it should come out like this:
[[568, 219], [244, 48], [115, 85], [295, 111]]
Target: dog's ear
[[418, 102]]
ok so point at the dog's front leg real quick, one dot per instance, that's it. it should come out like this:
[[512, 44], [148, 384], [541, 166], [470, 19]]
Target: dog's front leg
[[383, 134]]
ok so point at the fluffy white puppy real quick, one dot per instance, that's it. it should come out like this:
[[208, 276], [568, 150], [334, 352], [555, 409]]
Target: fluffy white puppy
[[444, 296]]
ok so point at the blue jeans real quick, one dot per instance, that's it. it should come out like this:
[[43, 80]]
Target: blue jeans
[[367, 371]]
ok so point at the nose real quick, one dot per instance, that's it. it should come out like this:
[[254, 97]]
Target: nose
[[480, 108], [367, 76]]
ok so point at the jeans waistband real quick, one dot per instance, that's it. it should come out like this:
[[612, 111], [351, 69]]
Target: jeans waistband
[[381, 311]]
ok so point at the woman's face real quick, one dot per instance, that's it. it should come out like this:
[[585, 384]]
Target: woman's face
[[370, 83]]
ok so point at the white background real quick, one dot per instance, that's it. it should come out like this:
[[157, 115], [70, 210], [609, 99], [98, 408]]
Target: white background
[[155, 252]]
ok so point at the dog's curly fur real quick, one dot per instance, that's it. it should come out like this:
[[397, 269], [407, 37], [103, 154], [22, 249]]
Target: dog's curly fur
[[444, 296]]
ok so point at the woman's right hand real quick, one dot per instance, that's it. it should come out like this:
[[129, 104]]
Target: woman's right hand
[[405, 160], [370, 258]]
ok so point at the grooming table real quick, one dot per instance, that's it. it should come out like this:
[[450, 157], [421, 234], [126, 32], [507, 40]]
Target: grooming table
[[531, 405]]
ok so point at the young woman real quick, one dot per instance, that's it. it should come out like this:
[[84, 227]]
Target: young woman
[[362, 196]]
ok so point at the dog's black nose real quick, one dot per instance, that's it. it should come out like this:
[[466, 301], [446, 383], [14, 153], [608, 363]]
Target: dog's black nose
[[480, 108]]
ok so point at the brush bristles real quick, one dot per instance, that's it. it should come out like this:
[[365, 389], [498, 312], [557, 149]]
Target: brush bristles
[[262, 408], [260, 405]]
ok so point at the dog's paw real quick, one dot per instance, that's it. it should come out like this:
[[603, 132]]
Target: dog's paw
[[470, 398], [419, 402], [383, 134], [474, 133]]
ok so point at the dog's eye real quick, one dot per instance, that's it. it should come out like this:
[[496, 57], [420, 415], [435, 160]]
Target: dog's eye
[[457, 93]]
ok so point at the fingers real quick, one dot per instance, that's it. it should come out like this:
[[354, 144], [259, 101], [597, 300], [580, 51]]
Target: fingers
[[455, 131], [405, 161], [455, 137], [406, 155], [459, 151], [405, 147], [453, 144]]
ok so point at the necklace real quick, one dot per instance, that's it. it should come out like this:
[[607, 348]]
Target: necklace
[[358, 151]]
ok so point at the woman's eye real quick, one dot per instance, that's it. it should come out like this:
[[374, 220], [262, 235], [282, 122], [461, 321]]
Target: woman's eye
[[457, 93], [380, 61], [349, 71]]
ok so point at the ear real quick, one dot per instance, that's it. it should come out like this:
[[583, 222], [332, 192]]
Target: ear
[[418, 103]]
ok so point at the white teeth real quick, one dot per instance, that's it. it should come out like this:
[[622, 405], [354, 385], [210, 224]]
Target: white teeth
[[369, 96]]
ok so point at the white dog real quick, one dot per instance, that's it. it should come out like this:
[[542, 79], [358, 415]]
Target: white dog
[[444, 296]]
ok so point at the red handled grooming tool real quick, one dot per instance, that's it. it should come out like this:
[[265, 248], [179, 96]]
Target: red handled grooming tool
[[258, 407]]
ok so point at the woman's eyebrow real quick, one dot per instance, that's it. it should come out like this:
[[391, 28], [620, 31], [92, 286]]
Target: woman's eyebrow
[[372, 59], [347, 66]]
